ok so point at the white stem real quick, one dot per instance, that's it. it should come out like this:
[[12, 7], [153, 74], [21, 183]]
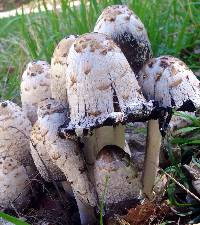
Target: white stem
[[68, 188], [86, 212], [152, 157]]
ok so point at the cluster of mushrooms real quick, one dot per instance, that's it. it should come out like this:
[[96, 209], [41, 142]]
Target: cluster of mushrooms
[[71, 126]]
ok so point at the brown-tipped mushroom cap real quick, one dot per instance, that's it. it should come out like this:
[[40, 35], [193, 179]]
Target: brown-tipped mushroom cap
[[15, 131], [115, 173], [170, 82], [65, 154], [35, 87], [14, 187], [127, 30], [101, 87], [58, 68]]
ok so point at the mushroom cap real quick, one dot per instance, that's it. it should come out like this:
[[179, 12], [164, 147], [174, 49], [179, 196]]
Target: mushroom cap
[[101, 86], [171, 83], [15, 131], [14, 183], [58, 68], [129, 33], [51, 114], [35, 87], [123, 179], [62, 49]]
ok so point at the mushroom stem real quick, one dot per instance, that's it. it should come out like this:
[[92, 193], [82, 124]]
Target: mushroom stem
[[86, 212], [152, 157]]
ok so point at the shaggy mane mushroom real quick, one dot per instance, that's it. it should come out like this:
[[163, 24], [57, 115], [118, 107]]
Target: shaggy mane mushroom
[[16, 164], [58, 68], [35, 87], [103, 95], [62, 159], [173, 85]]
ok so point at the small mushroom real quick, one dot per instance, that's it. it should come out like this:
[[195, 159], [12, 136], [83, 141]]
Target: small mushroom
[[115, 173], [14, 184], [64, 154], [58, 68], [35, 86], [172, 84], [128, 32], [103, 94], [15, 130]]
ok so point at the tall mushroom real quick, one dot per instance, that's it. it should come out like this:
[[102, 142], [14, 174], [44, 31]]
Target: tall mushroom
[[128, 32], [58, 68], [35, 86], [15, 131], [102, 93], [172, 84], [64, 154]]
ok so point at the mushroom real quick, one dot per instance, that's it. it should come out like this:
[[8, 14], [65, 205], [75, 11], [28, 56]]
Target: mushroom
[[58, 68], [172, 84], [15, 131], [128, 32], [14, 183], [35, 86], [64, 154], [103, 95], [123, 179]]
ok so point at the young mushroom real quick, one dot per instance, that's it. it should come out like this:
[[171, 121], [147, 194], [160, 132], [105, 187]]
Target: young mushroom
[[15, 130], [58, 68], [103, 94], [128, 32], [117, 177], [172, 84], [14, 184], [35, 86], [64, 154]]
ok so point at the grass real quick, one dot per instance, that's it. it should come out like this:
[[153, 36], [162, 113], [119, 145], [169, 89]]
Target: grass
[[172, 25], [12, 219], [188, 140]]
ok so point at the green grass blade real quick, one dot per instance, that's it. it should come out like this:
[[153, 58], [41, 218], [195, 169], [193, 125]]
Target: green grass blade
[[102, 201], [12, 219]]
